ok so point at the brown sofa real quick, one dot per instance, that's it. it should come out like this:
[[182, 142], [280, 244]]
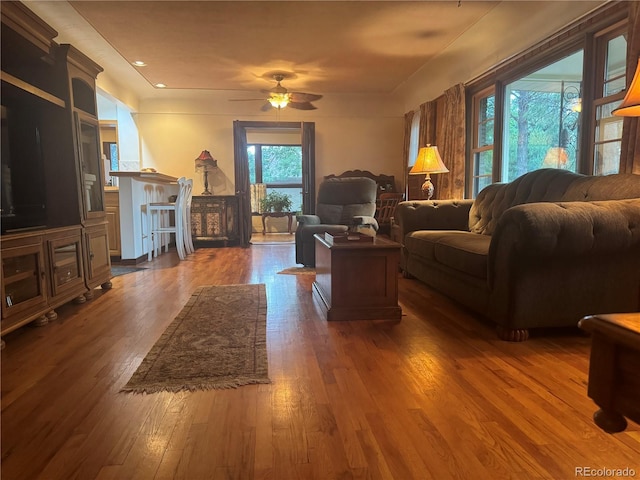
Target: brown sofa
[[542, 251]]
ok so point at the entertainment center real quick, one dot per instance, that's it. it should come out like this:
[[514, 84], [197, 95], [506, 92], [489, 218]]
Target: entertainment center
[[54, 230]]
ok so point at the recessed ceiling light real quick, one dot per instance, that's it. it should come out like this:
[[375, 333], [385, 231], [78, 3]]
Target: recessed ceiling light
[[160, 85], [138, 63]]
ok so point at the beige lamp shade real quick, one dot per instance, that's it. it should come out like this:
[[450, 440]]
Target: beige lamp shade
[[630, 106], [205, 162], [428, 161], [556, 157]]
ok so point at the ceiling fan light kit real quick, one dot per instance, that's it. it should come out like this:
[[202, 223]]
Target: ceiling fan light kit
[[279, 97]]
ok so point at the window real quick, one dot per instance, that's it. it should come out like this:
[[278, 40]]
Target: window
[[551, 106], [542, 119], [610, 85], [414, 139], [483, 114], [279, 167]]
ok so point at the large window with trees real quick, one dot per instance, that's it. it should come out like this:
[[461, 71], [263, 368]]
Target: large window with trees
[[542, 118], [279, 167], [551, 106]]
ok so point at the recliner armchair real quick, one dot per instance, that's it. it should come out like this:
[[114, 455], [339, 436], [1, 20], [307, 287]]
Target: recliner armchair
[[342, 204]]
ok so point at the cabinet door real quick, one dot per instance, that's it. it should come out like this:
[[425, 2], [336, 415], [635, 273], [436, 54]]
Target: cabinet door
[[65, 256], [91, 165], [97, 259], [23, 281]]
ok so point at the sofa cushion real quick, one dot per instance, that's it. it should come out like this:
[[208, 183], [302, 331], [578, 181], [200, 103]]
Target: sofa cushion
[[463, 251], [619, 186], [545, 185]]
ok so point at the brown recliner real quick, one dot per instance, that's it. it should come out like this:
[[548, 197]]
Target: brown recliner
[[342, 203]]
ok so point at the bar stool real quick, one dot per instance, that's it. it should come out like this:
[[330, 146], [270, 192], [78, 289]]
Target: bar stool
[[159, 223], [186, 218]]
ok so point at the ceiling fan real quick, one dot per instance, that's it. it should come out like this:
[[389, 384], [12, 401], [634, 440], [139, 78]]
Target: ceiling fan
[[279, 97]]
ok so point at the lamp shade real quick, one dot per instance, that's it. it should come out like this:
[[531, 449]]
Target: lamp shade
[[279, 100], [206, 162], [428, 161], [630, 106], [556, 157]]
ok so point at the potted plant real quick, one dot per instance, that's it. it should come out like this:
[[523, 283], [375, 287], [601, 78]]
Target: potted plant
[[276, 202]]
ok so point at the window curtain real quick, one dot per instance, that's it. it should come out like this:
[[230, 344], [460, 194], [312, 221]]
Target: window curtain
[[428, 123], [408, 120], [630, 154], [308, 168], [241, 162], [451, 185]]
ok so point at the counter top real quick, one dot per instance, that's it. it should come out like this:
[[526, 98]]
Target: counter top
[[152, 176]]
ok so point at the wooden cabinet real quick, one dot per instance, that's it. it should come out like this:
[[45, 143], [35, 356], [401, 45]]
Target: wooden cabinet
[[40, 271], [24, 286], [112, 209], [214, 220], [54, 228]]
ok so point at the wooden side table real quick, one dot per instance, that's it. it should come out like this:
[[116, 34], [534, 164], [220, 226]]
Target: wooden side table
[[277, 215], [614, 368], [357, 280]]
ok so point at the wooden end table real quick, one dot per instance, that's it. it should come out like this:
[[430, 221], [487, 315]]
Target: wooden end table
[[614, 368], [277, 215], [357, 280]]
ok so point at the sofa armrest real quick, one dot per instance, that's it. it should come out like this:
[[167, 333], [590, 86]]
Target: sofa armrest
[[411, 216], [538, 232], [308, 219]]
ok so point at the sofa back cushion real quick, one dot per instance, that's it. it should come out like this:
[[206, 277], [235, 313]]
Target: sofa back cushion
[[544, 185], [609, 187], [547, 185]]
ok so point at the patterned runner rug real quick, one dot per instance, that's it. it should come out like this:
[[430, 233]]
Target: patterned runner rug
[[217, 341]]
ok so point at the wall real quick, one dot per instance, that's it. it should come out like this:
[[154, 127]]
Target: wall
[[489, 42], [351, 133]]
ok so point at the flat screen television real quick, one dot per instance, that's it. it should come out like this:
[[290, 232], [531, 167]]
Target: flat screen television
[[23, 184]]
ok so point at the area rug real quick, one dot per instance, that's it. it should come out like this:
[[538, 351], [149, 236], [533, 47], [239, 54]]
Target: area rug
[[217, 341], [298, 271]]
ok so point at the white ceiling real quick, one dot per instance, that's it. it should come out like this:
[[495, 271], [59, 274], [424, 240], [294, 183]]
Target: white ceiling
[[327, 47]]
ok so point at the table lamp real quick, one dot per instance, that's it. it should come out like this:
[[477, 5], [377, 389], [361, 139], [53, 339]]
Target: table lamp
[[206, 163], [428, 162]]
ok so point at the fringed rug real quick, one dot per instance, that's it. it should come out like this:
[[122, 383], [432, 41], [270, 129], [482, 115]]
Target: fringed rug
[[217, 341], [298, 271]]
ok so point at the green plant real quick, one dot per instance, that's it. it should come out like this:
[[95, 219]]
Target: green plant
[[276, 202]]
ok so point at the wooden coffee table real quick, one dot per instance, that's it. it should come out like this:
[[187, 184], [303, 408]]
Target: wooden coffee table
[[614, 375], [357, 280]]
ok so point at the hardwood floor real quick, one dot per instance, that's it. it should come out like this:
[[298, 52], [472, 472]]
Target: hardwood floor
[[434, 396]]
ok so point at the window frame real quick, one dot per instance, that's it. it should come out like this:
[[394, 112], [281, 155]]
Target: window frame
[[586, 34]]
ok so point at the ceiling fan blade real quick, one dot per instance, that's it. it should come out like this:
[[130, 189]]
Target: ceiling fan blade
[[302, 105], [303, 97], [266, 107], [245, 99]]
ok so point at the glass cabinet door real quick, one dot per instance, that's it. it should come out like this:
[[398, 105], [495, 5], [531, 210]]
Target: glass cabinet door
[[23, 286], [66, 263], [92, 173]]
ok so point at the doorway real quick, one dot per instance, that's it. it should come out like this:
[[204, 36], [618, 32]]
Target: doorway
[[305, 131]]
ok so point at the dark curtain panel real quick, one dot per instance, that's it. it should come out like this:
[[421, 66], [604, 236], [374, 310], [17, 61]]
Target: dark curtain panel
[[408, 120], [452, 149], [630, 154], [427, 123], [308, 168], [241, 162]]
